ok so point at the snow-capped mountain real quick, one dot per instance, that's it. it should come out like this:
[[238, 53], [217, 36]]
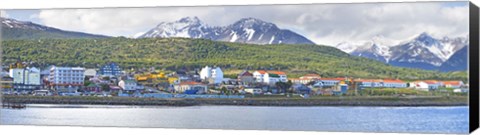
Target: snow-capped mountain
[[457, 62], [12, 23], [377, 48], [423, 51], [14, 29], [246, 30]]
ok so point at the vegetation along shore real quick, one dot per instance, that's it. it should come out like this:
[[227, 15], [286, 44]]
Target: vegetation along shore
[[254, 101]]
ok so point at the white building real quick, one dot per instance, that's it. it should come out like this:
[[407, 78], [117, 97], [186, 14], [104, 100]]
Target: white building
[[25, 78], [425, 85], [190, 85], [269, 77], [386, 83], [66, 77], [394, 84], [128, 84], [212, 74], [453, 84], [90, 73], [328, 82]]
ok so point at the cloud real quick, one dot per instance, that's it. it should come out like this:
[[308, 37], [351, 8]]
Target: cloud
[[323, 23]]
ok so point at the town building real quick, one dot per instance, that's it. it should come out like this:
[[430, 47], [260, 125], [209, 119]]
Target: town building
[[190, 86], [427, 85], [329, 82], [452, 84], [128, 85], [300, 80], [311, 77], [90, 73], [270, 77], [370, 83], [7, 84], [213, 75], [25, 79], [246, 77], [110, 69], [66, 77], [93, 87], [394, 83]]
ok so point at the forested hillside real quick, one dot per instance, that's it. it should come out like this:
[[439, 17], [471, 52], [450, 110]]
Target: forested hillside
[[176, 53]]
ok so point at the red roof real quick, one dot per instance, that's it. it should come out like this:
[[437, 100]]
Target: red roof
[[311, 75], [336, 79], [299, 79], [277, 72], [246, 73], [271, 72], [261, 71], [191, 83], [368, 80], [393, 81], [431, 81], [451, 82]]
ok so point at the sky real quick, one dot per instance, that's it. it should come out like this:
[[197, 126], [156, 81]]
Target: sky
[[327, 24]]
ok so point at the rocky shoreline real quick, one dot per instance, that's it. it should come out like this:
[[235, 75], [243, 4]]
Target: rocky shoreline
[[317, 101]]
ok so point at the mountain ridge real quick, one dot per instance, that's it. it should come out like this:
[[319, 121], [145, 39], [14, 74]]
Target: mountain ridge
[[246, 30], [15, 29]]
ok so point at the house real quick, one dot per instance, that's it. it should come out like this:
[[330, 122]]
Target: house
[[394, 83], [254, 91], [110, 69], [190, 86], [269, 77], [140, 87], [306, 79], [42, 93], [25, 79], [66, 77], [427, 85], [370, 83], [452, 84], [6, 83], [310, 76], [300, 80], [460, 90], [213, 75], [114, 88], [93, 87], [246, 77], [329, 82], [128, 85], [301, 88], [182, 76], [90, 73]]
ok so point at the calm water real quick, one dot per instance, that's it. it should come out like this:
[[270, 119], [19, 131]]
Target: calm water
[[364, 119]]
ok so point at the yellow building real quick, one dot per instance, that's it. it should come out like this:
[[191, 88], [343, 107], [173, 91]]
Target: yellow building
[[172, 80], [151, 76]]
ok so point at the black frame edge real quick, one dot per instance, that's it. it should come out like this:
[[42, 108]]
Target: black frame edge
[[474, 67]]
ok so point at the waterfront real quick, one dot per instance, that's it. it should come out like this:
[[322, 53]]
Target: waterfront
[[358, 119]]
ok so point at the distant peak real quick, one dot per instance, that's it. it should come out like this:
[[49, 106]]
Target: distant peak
[[424, 35], [193, 19], [250, 22]]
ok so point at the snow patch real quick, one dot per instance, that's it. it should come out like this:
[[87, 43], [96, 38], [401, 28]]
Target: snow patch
[[271, 40], [250, 33], [234, 37]]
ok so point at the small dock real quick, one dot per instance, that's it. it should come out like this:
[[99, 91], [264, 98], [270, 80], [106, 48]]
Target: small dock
[[13, 105]]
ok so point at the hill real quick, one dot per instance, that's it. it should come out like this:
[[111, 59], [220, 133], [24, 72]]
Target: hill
[[14, 29], [176, 53]]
